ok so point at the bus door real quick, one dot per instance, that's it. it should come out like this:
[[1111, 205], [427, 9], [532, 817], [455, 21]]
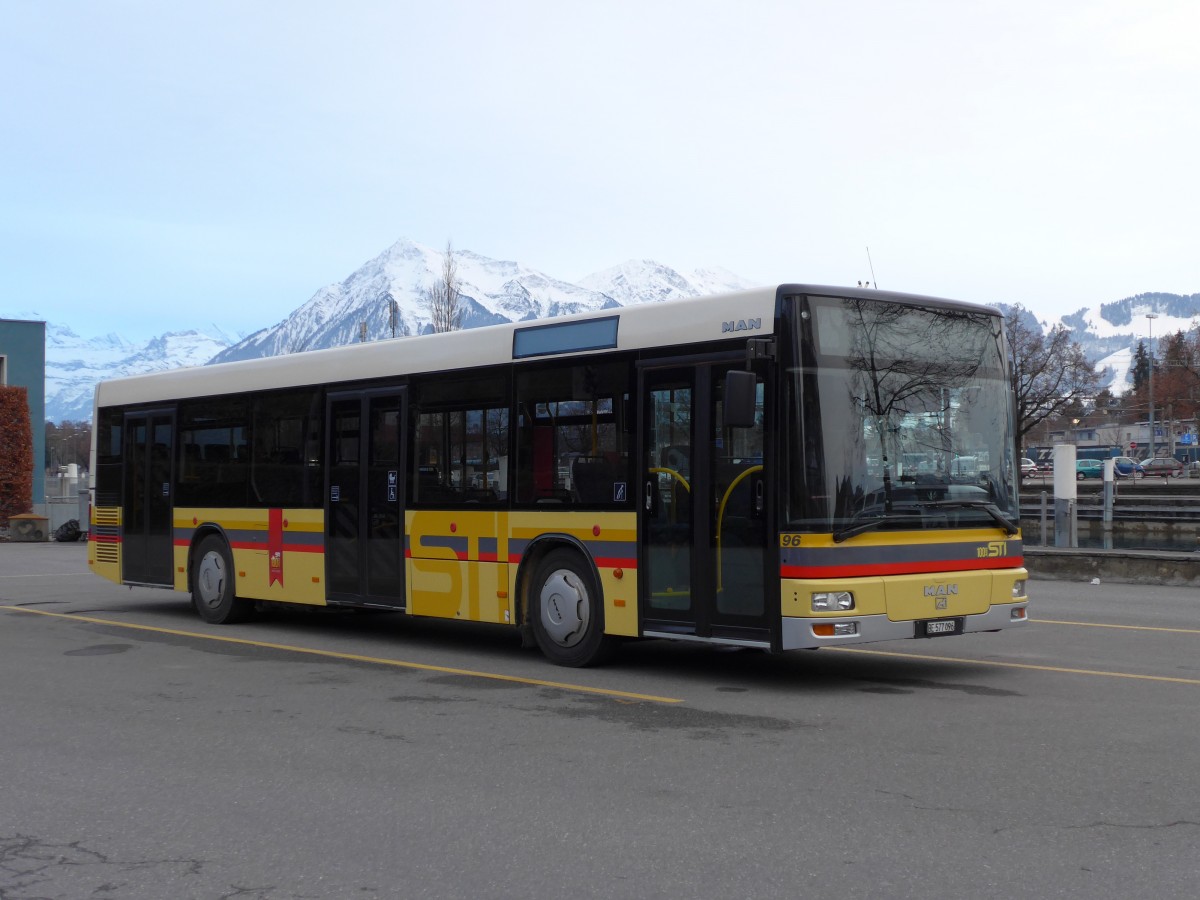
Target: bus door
[[703, 510], [364, 506], [147, 535]]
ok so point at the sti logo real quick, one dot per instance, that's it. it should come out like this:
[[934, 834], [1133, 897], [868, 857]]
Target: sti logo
[[741, 325]]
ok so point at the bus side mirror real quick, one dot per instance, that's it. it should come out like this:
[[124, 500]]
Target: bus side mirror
[[741, 394]]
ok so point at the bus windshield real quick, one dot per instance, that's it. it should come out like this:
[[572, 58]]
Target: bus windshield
[[898, 418]]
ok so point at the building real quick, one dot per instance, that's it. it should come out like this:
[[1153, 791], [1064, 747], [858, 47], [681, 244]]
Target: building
[[23, 364]]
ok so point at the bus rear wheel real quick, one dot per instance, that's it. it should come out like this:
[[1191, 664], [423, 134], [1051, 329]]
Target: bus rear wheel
[[213, 585], [567, 613]]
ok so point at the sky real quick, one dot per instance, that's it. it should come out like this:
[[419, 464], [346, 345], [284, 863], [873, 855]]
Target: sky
[[166, 166]]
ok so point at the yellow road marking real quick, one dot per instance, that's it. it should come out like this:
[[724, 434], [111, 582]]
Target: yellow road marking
[[52, 575], [1129, 627], [1013, 665], [577, 688]]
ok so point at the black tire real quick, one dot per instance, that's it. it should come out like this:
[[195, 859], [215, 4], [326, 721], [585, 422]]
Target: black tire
[[567, 612], [214, 584]]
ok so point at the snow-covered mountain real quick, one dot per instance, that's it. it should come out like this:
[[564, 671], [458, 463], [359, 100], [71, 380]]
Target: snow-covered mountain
[[643, 280], [498, 291], [74, 364], [493, 291]]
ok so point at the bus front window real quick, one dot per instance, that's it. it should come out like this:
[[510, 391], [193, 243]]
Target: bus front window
[[899, 417]]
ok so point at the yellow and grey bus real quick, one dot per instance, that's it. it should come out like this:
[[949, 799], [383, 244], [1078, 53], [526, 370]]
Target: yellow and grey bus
[[782, 468]]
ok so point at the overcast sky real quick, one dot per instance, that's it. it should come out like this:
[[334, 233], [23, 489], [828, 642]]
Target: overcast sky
[[168, 165]]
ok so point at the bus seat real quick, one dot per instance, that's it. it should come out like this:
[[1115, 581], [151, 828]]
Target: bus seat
[[592, 479]]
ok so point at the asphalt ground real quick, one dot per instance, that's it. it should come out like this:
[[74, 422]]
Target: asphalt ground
[[145, 754]]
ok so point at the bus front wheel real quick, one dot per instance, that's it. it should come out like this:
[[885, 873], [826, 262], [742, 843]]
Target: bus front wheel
[[213, 585], [567, 613]]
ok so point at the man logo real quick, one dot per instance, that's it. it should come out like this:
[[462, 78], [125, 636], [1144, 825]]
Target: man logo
[[940, 592], [741, 325]]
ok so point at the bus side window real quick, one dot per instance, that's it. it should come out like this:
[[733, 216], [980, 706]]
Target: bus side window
[[572, 440], [285, 470], [460, 438], [211, 473]]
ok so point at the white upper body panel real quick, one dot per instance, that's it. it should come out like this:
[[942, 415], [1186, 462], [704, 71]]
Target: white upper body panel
[[669, 324]]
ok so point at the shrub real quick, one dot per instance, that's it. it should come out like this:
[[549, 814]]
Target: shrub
[[16, 454]]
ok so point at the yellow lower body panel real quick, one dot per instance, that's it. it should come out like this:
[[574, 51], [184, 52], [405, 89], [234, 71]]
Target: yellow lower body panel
[[465, 564], [454, 589], [277, 555]]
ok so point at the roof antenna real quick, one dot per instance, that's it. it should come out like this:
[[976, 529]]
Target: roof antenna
[[872, 265]]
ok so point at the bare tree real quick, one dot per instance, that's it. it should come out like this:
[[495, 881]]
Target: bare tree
[[393, 311], [443, 296], [1049, 371]]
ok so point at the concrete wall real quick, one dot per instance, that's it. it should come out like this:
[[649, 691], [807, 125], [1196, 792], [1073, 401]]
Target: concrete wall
[[1116, 566]]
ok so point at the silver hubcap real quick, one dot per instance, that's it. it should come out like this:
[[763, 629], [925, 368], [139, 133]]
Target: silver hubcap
[[210, 579], [565, 608]]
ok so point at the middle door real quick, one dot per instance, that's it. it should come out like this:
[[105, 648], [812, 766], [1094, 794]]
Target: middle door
[[703, 509], [364, 551]]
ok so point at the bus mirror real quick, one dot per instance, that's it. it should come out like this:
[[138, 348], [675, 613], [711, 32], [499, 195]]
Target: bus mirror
[[741, 392]]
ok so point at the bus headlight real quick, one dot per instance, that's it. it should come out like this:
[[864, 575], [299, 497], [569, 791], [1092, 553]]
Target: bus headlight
[[832, 601], [1019, 589]]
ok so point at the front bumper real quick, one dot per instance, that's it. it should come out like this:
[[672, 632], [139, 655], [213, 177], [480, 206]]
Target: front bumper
[[798, 633]]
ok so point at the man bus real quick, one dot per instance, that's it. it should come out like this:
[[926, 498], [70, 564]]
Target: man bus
[[782, 468]]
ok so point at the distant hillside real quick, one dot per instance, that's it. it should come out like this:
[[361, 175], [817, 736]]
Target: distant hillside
[[1109, 332]]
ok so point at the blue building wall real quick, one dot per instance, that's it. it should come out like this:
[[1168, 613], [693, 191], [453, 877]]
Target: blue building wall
[[23, 346]]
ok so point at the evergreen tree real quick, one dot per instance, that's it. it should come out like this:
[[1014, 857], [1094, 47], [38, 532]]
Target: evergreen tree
[[1140, 369]]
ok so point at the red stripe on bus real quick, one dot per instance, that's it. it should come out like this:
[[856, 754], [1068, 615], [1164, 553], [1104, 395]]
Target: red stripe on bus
[[910, 568], [105, 539], [261, 545]]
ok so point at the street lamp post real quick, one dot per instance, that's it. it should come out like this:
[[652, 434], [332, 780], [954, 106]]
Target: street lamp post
[[1150, 317]]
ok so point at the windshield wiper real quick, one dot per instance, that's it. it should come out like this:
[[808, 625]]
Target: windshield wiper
[[858, 528], [864, 525]]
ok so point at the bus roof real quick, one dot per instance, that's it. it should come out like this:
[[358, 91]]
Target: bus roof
[[693, 320]]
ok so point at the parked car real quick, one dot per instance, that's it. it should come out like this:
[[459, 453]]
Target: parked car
[[1166, 466], [1126, 468], [1028, 468], [1088, 468]]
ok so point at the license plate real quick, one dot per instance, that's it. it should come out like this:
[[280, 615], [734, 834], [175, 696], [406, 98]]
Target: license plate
[[939, 627]]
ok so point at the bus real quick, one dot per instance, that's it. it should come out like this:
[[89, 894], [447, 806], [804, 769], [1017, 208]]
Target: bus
[[791, 467]]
